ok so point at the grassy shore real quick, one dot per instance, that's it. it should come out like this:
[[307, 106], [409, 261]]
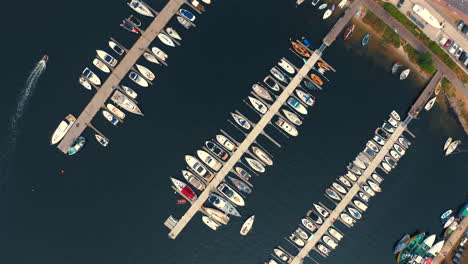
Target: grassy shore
[[457, 102]]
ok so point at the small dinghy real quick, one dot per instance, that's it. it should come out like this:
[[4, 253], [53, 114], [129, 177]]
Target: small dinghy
[[110, 117], [262, 92], [365, 40], [254, 164], [210, 223], [101, 66], [146, 72], [445, 215], [327, 14], [166, 40], [247, 225], [292, 117], [102, 140], [241, 121], [173, 33], [159, 53]]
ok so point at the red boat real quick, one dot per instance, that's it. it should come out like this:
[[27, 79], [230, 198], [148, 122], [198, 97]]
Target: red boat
[[349, 32], [184, 189], [181, 201], [128, 27], [45, 58]]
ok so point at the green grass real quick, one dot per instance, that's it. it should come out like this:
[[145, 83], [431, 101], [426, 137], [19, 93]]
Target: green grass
[[424, 60], [388, 34]]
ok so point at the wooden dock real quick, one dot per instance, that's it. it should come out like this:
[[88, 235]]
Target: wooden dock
[[342, 22], [452, 241], [120, 72], [179, 225]]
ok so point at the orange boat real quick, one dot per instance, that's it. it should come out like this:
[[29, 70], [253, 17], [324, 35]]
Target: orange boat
[[324, 66], [300, 49], [316, 79], [437, 89]]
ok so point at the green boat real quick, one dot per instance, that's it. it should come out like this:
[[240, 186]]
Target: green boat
[[412, 244], [77, 146]]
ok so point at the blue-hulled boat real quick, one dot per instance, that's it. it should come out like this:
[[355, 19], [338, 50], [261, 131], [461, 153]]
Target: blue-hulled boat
[[76, 146], [187, 14], [365, 40]]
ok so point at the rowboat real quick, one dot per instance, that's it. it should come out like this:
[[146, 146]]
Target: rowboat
[[300, 49], [247, 225], [316, 79]]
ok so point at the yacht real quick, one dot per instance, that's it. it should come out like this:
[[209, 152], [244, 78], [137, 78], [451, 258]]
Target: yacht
[[351, 176], [430, 104], [116, 111], [223, 205], [111, 61], [390, 161], [209, 160], [374, 186], [377, 178], [226, 143], [321, 210], [404, 142], [173, 33], [395, 154], [232, 195], [265, 158], [368, 190], [399, 149], [184, 22], [110, 117], [447, 143], [159, 53], [372, 146], [379, 140], [198, 168], [123, 101], [295, 238], [354, 169], [240, 185], [332, 194], [286, 66], [130, 92], [393, 122], [347, 219], [241, 121], [404, 74], [344, 181], [62, 129], [91, 76], [364, 197], [288, 128], [388, 127], [184, 189], [140, 8], [308, 224], [292, 117], [302, 233], [297, 106], [145, 72], [254, 164], [116, 47], [193, 180], [262, 92], [342, 3], [282, 255], [101, 66], [452, 147], [210, 222], [323, 249], [166, 40], [359, 163], [138, 79], [327, 14], [339, 188], [258, 105], [277, 74], [127, 26], [243, 173], [395, 116], [315, 217]]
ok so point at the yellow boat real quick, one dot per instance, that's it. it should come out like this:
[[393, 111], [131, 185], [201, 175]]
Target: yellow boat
[[316, 79], [300, 49]]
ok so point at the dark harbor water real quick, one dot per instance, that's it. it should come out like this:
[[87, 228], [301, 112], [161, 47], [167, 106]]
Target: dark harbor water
[[110, 204]]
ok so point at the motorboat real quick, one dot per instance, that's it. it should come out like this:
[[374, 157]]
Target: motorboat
[[206, 1], [292, 117], [287, 127], [271, 261], [377, 178], [349, 31], [365, 40], [240, 185], [332, 194], [436, 248], [140, 8], [265, 158], [395, 154], [159, 53], [445, 215], [223, 205], [133, 20], [395, 116], [399, 149], [344, 181], [395, 67], [243, 173], [193, 180], [108, 59], [198, 168], [62, 129], [379, 140], [210, 222], [123, 101], [286, 66], [310, 84], [334, 233], [452, 147], [150, 57], [76, 146], [383, 134], [374, 186], [342, 3], [364, 197], [282, 255], [85, 83], [316, 79], [305, 97], [217, 215], [247, 225], [115, 111], [390, 161], [171, 31], [370, 152], [362, 206], [262, 92], [184, 22], [322, 6], [430, 104], [232, 195], [364, 158], [299, 2], [241, 121], [300, 49], [315, 217], [368, 190], [388, 127], [101, 66], [354, 169], [429, 241], [187, 14], [393, 122], [271, 84], [116, 47], [321, 210], [302, 233], [351, 176], [308, 224], [198, 6], [359, 163], [166, 40], [449, 221], [315, 2], [330, 242], [278, 74], [127, 26], [404, 74], [102, 140], [254, 164], [295, 238], [226, 143], [138, 79], [91, 76], [372, 146], [184, 189], [297, 105], [322, 65], [323, 249], [130, 92], [401, 244], [217, 150], [110, 117], [258, 105], [339, 188], [347, 219], [447, 143], [209, 160], [327, 14], [145, 72]]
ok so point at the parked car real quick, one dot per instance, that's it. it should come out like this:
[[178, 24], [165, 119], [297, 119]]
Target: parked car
[[456, 261], [458, 52], [400, 3], [453, 48], [461, 24], [462, 57], [464, 239], [442, 41], [466, 66], [448, 43], [465, 29]]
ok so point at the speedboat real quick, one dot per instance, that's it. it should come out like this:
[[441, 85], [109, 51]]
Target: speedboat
[[436, 248], [130, 92], [449, 222], [308, 224], [372, 146], [254, 164], [300, 49], [321, 210], [193, 180], [241, 121], [111, 61], [277, 74], [323, 249], [360, 164], [102, 140], [330, 242], [110, 117], [262, 92], [374, 186], [404, 74], [344, 181], [364, 197], [292, 117], [334, 233], [365, 39], [282, 255], [430, 104], [101, 66], [393, 122], [198, 6], [452, 147], [368, 190], [138, 79], [62, 129], [184, 189], [349, 31], [123, 101], [347, 219], [140, 8], [271, 84], [388, 127], [395, 154], [159, 53], [187, 14], [288, 128], [116, 111], [332, 194], [316, 79], [399, 149], [286, 66], [166, 40], [297, 105], [351, 176], [362, 206], [302, 233], [223, 205], [379, 140], [322, 6], [209, 160], [243, 173], [262, 156], [327, 14], [315, 217], [225, 142], [127, 26], [198, 168], [217, 215], [85, 83], [91, 76], [247, 225], [240, 185], [258, 105], [232, 195], [342, 3], [354, 169], [295, 238], [401, 244], [76, 146], [395, 115], [447, 143], [173, 33], [445, 215], [116, 47], [210, 222], [145, 72], [305, 97], [184, 22], [390, 161], [339, 188], [377, 178], [315, 2]]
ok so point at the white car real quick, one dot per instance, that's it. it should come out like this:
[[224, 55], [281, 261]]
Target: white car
[[459, 52], [453, 48]]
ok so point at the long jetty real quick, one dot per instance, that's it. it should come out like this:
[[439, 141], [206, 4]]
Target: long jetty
[[114, 79], [452, 241]]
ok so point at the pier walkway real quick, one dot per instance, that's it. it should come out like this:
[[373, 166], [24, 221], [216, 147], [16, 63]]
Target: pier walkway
[[244, 146], [425, 96], [342, 22], [452, 241], [122, 69]]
